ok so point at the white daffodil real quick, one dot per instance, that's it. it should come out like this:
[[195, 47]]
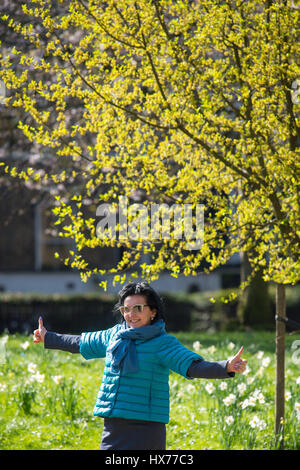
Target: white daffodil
[[261, 399], [254, 422], [265, 362], [190, 388], [32, 367], [241, 388], [260, 354], [223, 386], [40, 377], [212, 349], [287, 395], [229, 400], [256, 393], [229, 420], [37, 377], [261, 425], [25, 345], [231, 346], [57, 379], [3, 387], [245, 403], [256, 396], [298, 380], [252, 401], [196, 346], [210, 388]]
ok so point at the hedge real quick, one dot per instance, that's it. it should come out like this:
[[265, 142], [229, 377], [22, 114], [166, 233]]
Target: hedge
[[74, 313]]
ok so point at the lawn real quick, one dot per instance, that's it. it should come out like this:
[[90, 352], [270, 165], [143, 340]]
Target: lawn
[[47, 397]]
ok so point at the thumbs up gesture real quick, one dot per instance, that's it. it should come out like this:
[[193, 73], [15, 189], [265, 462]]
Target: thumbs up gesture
[[39, 334], [237, 364]]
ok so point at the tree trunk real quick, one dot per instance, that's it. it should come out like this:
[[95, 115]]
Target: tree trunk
[[280, 360]]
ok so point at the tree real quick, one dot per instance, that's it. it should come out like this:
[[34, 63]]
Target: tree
[[185, 102]]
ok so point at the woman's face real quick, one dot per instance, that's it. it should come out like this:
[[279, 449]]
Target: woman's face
[[134, 317]]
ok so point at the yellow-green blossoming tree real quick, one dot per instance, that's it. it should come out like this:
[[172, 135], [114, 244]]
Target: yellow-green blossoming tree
[[186, 102]]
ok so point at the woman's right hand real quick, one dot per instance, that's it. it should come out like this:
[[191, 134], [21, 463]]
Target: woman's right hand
[[39, 334]]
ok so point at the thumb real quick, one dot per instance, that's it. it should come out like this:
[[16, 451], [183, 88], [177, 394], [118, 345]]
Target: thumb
[[238, 355], [40, 323]]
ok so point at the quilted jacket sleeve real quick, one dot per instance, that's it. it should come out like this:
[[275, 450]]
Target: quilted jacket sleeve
[[94, 344], [173, 355], [209, 370], [69, 343]]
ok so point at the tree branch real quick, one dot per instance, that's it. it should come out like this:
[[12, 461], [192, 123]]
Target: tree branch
[[115, 105], [112, 36]]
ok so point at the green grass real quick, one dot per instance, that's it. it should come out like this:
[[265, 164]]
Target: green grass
[[47, 397]]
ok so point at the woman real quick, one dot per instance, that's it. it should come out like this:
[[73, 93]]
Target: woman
[[134, 395]]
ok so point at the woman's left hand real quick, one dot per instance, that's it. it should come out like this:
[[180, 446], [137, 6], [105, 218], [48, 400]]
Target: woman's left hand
[[237, 364]]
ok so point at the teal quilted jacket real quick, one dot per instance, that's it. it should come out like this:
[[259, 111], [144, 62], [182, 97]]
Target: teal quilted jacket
[[143, 395]]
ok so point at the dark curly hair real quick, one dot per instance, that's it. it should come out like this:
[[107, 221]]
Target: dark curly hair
[[141, 288]]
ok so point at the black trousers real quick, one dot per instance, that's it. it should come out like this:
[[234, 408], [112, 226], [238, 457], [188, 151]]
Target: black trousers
[[132, 434]]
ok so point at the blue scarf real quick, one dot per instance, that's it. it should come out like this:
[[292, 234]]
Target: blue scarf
[[123, 347]]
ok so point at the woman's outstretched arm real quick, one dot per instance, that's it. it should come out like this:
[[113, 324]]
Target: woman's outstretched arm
[[201, 369], [218, 370], [51, 340], [69, 343]]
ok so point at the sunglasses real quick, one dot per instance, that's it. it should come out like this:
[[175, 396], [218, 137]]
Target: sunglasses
[[135, 308]]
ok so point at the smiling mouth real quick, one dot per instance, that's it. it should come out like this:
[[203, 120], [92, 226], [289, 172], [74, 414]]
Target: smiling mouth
[[133, 322]]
